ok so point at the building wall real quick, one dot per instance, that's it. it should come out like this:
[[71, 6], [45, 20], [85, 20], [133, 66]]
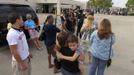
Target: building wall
[[47, 1], [33, 3]]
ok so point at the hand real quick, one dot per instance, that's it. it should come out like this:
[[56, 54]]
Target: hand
[[30, 55], [82, 57], [23, 66], [59, 55]]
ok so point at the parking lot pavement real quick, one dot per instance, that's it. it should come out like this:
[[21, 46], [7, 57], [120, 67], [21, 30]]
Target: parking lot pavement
[[123, 61]]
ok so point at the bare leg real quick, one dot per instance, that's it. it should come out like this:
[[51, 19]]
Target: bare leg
[[49, 61], [34, 40], [81, 67], [38, 43], [89, 57]]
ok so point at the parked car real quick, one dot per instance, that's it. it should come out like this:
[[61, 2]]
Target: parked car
[[6, 9]]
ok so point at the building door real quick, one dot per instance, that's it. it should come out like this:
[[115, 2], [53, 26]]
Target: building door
[[45, 8]]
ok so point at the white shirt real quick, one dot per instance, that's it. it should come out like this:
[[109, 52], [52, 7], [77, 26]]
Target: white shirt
[[15, 37]]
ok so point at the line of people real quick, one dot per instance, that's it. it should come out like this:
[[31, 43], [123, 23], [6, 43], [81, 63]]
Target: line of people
[[70, 50], [70, 47]]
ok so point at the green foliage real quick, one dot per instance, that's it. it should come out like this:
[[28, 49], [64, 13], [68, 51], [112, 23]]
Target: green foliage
[[100, 3], [131, 14], [130, 5]]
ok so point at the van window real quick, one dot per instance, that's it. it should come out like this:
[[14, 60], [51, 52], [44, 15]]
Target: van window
[[4, 13]]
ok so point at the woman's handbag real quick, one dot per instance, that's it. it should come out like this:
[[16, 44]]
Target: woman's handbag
[[42, 35], [109, 60]]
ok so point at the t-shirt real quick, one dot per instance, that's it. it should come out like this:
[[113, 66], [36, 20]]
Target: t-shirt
[[50, 34], [69, 65], [15, 37], [30, 24]]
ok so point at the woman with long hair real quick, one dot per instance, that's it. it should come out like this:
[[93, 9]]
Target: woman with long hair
[[101, 47], [85, 34], [89, 23]]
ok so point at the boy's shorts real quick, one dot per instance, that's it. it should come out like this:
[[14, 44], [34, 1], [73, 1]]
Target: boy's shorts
[[50, 50]]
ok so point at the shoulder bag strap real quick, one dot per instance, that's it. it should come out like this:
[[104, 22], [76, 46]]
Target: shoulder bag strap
[[110, 47]]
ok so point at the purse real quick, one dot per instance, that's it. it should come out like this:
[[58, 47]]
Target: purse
[[109, 60], [42, 35]]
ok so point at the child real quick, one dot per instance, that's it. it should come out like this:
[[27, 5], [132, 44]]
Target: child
[[70, 56], [61, 39]]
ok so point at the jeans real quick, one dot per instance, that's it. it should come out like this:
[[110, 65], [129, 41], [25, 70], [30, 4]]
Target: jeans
[[98, 66]]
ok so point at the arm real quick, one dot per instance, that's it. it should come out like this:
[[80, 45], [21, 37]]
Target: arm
[[14, 52], [69, 58], [82, 56], [72, 58], [25, 26], [57, 29]]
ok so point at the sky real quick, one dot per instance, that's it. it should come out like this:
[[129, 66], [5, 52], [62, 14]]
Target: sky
[[117, 3]]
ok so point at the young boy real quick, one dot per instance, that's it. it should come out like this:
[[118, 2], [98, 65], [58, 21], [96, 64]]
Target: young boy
[[78, 54]]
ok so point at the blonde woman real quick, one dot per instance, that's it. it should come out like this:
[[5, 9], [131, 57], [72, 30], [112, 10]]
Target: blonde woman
[[88, 24], [86, 31]]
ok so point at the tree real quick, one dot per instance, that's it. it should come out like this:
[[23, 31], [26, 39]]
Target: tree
[[100, 3], [130, 5], [91, 3]]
